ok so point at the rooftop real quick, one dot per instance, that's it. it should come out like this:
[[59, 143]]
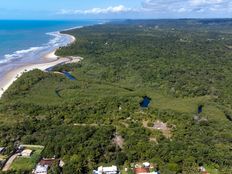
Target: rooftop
[[106, 170], [26, 152], [40, 169], [48, 162]]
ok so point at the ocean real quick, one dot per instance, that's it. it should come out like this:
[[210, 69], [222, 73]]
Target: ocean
[[25, 41]]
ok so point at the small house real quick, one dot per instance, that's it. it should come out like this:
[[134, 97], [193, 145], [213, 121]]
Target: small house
[[41, 169], [141, 170], [44, 165], [106, 170], [26, 153], [48, 162], [144, 168]]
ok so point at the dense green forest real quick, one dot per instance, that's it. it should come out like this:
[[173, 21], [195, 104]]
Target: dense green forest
[[179, 64]]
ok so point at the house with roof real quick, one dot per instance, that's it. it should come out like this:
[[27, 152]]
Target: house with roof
[[40, 169], [26, 153], [144, 168], [44, 165], [106, 170], [141, 170], [48, 161]]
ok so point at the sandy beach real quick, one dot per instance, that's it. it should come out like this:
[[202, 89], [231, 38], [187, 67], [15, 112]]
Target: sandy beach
[[49, 60]]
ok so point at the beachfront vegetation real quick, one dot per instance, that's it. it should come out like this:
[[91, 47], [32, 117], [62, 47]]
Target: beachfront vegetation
[[179, 64]]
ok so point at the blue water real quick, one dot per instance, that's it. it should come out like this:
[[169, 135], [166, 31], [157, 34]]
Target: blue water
[[200, 109], [21, 36], [69, 76], [145, 103], [27, 42]]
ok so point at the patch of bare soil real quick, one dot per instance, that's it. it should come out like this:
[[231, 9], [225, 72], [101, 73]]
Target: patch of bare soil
[[118, 140], [153, 139], [161, 126]]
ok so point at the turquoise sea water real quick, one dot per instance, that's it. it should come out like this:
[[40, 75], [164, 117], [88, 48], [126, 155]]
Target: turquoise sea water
[[22, 39]]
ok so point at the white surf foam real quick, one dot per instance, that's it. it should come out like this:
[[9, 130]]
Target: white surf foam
[[57, 40], [19, 54]]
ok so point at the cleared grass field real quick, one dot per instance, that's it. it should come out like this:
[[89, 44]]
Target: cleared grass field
[[27, 163]]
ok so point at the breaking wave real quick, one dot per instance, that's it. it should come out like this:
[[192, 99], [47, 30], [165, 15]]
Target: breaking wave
[[58, 40]]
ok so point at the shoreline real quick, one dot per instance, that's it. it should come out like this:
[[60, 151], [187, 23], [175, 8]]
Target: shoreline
[[50, 60]]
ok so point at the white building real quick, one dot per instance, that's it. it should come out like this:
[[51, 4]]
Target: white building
[[26, 153], [40, 169], [106, 170]]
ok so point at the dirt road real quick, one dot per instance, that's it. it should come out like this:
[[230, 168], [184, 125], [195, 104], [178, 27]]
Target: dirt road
[[9, 162]]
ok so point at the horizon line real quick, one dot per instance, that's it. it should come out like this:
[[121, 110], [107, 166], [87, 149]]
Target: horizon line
[[116, 19]]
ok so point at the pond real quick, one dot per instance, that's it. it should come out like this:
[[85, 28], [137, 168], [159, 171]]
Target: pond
[[146, 101], [200, 109], [68, 75]]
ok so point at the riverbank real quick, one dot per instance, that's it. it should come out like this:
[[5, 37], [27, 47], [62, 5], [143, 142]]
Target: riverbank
[[49, 60]]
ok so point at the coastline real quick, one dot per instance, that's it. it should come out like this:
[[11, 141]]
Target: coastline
[[50, 60]]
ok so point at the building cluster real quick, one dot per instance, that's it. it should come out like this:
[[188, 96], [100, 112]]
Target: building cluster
[[140, 168], [144, 168], [44, 164]]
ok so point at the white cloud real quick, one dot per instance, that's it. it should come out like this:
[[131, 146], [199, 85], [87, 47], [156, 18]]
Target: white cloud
[[205, 2], [188, 5], [181, 10], [115, 9], [162, 7]]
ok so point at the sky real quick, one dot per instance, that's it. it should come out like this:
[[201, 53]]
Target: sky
[[114, 9]]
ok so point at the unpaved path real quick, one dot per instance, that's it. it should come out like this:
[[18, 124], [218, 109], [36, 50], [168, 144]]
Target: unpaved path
[[9, 162]]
